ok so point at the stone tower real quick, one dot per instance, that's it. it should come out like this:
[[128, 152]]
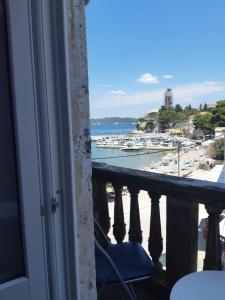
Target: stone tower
[[168, 99]]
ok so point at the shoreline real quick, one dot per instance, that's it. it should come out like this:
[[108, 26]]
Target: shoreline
[[188, 160], [193, 171], [130, 134]]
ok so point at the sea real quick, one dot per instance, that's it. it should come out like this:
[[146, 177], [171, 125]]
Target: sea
[[116, 157]]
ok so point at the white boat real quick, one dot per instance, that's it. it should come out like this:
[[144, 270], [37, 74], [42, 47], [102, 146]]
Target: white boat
[[132, 147]]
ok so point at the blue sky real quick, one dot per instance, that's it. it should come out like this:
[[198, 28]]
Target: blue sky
[[137, 49]]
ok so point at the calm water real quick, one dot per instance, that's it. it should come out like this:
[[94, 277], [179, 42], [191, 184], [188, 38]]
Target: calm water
[[113, 129], [122, 159]]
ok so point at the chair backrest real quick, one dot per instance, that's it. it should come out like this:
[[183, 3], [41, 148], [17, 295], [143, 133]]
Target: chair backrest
[[100, 235], [113, 268]]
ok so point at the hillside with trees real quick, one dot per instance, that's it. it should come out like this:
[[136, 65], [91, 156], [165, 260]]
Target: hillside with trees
[[206, 118], [113, 120], [166, 118], [209, 118]]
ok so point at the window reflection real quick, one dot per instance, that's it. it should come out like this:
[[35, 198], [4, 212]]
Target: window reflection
[[11, 251]]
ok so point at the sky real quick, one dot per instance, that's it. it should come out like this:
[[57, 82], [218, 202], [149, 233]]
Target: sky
[[138, 49]]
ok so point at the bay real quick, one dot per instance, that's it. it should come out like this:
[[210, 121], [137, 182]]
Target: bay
[[119, 158], [111, 129]]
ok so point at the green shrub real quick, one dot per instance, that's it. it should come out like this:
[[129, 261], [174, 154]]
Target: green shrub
[[216, 150]]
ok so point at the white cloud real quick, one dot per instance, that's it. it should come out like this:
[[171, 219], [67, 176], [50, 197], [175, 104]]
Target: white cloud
[[148, 78], [168, 76], [117, 92], [131, 99], [195, 90], [189, 93]]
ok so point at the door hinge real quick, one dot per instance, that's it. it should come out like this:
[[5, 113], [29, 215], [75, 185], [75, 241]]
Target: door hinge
[[54, 205]]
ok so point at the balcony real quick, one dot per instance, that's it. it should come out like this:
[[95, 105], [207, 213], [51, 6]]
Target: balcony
[[177, 254]]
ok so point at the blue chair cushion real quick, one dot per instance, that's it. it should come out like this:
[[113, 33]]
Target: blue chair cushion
[[130, 259]]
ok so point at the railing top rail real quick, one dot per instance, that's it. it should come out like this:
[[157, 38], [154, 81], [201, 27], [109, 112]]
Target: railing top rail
[[200, 191]]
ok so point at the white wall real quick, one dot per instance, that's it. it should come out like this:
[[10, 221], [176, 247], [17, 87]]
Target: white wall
[[82, 156]]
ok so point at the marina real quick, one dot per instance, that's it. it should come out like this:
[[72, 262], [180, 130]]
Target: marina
[[144, 142], [158, 153]]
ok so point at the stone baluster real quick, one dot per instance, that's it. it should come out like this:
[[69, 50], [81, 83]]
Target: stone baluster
[[119, 227], [155, 242], [213, 250], [181, 238], [101, 209], [135, 232]]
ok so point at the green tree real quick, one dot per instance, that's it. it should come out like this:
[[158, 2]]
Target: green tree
[[205, 107], [151, 121], [220, 104], [211, 120], [166, 118], [181, 117], [219, 146], [218, 114], [178, 108], [150, 126], [204, 122], [216, 150], [141, 119], [188, 110], [152, 114]]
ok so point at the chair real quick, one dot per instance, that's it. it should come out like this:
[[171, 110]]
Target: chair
[[123, 263]]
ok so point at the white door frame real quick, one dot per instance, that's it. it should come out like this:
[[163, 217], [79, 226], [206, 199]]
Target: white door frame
[[45, 151], [55, 130]]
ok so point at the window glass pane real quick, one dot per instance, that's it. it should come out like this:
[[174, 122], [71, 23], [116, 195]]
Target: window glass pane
[[11, 251]]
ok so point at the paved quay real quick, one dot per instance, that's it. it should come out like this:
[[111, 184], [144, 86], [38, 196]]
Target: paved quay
[[189, 160]]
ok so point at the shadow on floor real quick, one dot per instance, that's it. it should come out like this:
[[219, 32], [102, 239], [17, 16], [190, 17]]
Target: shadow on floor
[[117, 292]]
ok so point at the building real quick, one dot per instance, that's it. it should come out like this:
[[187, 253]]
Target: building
[[46, 204], [168, 98], [219, 132]]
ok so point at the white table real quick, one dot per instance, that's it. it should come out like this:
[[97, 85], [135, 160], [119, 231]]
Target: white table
[[205, 285]]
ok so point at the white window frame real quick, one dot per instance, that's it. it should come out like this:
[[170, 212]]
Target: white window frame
[[34, 284]]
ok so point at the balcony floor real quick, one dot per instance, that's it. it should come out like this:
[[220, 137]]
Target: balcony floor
[[117, 292]]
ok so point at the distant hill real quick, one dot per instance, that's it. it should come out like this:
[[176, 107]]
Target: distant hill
[[113, 120]]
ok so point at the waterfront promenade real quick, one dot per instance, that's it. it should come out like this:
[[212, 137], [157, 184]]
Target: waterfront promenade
[[152, 152], [189, 160]]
